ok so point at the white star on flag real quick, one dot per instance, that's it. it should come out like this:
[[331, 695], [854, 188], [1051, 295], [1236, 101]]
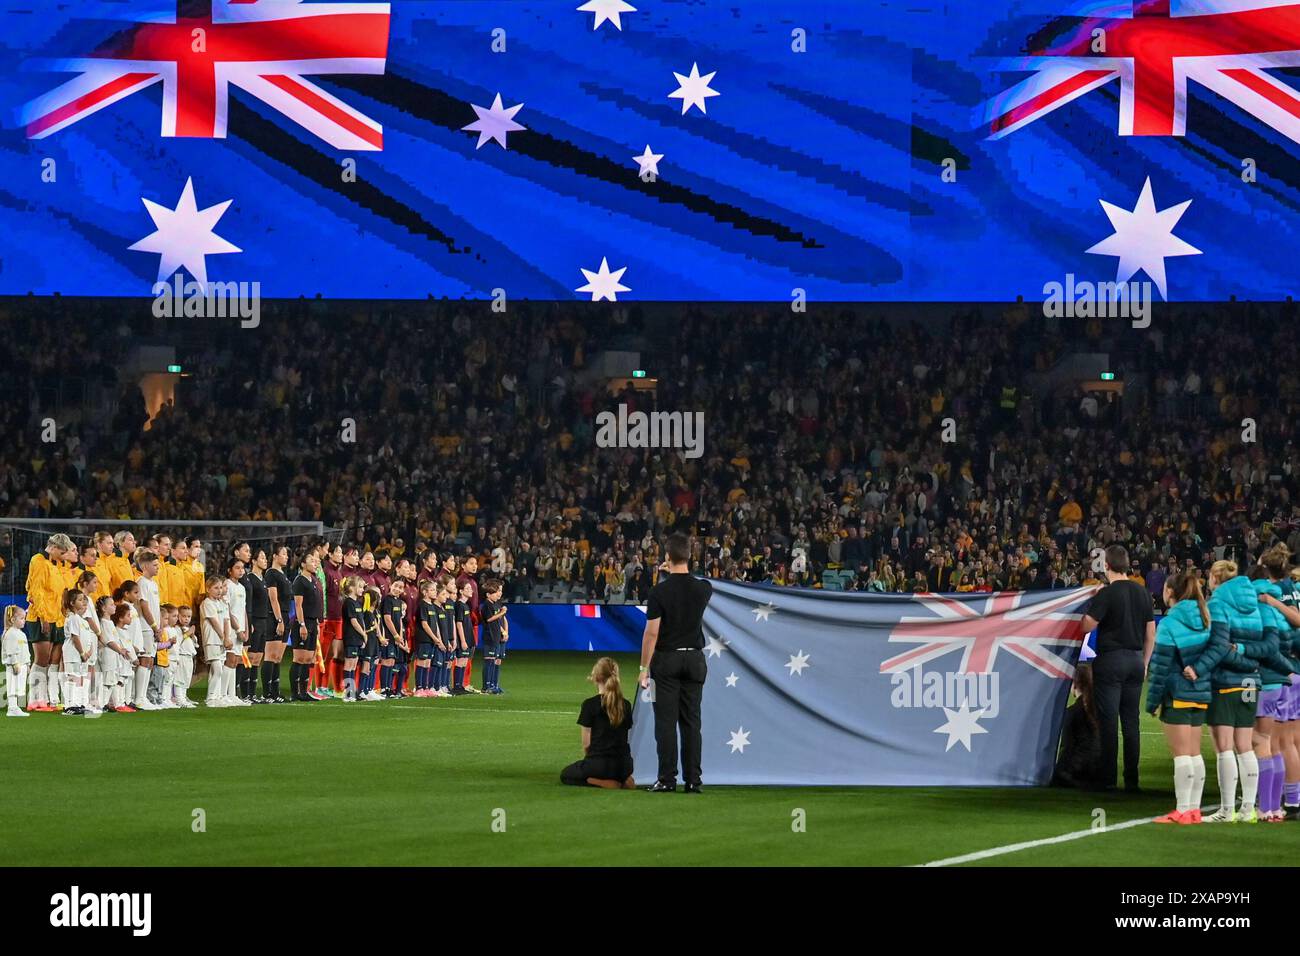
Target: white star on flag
[[607, 10], [184, 236], [604, 284], [739, 740], [714, 646], [731, 679], [693, 90], [798, 662], [763, 611], [495, 122], [961, 725], [649, 162], [1144, 238]]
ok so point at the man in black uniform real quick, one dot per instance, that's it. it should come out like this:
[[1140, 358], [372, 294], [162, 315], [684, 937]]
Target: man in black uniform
[[1126, 635], [672, 652]]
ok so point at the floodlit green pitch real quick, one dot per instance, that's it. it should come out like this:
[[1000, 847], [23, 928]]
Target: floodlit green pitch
[[469, 781]]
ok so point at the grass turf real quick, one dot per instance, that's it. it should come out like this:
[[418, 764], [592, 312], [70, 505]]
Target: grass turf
[[420, 782]]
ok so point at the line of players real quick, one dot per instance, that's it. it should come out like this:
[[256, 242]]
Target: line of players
[[104, 638]]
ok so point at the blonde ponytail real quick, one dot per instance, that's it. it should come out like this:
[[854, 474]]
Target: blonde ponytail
[[611, 693], [1186, 586], [1221, 571], [1276, 561]]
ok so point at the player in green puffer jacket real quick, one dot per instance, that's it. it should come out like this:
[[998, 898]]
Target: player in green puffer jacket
[[1290, 727], [1238, 638], [1178, 692], [1274, 729]]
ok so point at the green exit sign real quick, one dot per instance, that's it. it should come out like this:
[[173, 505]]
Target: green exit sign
[[174, 369], [639, 373], [1108, 376]]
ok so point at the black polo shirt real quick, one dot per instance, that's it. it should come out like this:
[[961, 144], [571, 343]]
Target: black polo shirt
[[313, 604], [678, 603], [275, 578], [259, 602]]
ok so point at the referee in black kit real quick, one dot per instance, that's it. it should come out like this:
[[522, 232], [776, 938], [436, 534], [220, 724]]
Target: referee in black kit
[[1126, 635], [672, 652]]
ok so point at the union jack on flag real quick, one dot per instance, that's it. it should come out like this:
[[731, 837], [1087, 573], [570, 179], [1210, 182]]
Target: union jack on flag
[[1227, 46], [264, 47], [1032, 631]]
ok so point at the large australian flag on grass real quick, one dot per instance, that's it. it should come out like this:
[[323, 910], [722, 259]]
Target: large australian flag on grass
[[625, 150], [827, 688]]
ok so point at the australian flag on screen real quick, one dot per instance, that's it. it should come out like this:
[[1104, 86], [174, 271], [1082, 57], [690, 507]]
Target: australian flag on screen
[[624, 150], [849, 689]]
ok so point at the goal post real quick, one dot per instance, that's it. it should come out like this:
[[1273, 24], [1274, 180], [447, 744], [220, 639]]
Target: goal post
[[21, 538]]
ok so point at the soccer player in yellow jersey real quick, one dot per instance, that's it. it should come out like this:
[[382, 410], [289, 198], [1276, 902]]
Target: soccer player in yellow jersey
[[173, 583], [195, 575], [100, 566], [68, 575], [120, 568], [45, 619]]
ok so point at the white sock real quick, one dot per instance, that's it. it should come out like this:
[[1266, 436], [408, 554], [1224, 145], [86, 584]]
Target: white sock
[[141, 686], [1225, 764], [53, 683], [12, 686], [216, 680], [115, 696], [230, 674], [36, 685], [1248, 767], [1183, 782], [1198, 782], [177, 688]]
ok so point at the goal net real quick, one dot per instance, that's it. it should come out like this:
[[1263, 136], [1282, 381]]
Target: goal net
[[20, 538]]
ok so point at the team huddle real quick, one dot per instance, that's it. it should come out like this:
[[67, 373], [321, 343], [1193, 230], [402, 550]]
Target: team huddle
[[116, 628], [1227, 662]]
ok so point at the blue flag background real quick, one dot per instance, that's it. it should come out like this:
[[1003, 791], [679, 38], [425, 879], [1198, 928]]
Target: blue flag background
[[817, 170], [796, 694]]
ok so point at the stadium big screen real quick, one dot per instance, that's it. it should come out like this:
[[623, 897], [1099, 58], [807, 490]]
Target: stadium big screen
[[825, 434]]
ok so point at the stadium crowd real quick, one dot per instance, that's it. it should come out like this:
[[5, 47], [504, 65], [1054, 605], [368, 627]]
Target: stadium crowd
[[825, 447]]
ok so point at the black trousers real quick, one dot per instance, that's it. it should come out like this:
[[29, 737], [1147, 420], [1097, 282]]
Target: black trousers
[[1117, 694], [602, 768], [679, 690]]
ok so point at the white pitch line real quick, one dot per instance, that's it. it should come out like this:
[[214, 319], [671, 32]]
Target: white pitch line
[[494, 710], [1030, 844]]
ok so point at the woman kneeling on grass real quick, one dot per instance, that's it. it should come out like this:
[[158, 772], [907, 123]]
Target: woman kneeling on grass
[[1179, 693], [605, 720]]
